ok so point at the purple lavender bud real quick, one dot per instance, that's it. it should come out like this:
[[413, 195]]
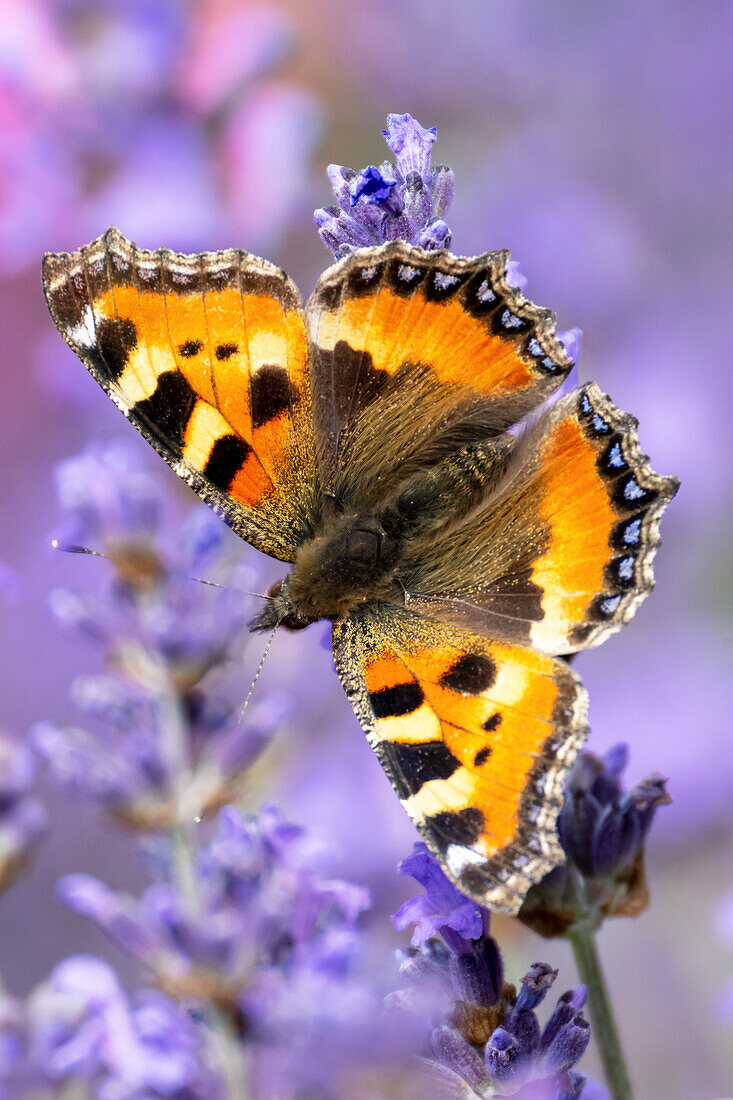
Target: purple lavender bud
[[614, 840], [525, 1028], [473, 979], [568, 1006], [568, 1045], [334, 226], [435, 235], [503, 1056], [570, 339], [451, 1049], [601, 783], [616, 759], [341, 179], [410, 143], [576, 827], [440, 181], [418, 204], [644, 799], [535, 985]]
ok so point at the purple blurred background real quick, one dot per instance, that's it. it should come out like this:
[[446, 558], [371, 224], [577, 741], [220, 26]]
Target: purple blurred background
[[594, 141]]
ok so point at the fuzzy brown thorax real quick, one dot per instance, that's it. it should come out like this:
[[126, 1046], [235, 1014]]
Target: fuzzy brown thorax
[[351, 562]]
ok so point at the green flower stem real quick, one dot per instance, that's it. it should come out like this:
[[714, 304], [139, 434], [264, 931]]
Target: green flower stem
[[605, 1032]]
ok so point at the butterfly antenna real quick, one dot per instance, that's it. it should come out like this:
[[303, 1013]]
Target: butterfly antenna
[[72, 548], [245, 704], [230, 588]]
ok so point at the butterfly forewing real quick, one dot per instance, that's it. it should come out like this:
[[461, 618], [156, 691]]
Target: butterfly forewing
[[415, 352], [207, 356]]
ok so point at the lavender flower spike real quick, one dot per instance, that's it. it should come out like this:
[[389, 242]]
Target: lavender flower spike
[[602, 829], [403, 201], [490, 1041]]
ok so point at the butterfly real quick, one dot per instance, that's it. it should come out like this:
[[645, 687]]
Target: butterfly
[[369, 440]]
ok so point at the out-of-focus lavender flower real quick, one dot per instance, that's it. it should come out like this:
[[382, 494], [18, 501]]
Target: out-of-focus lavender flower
[[260, 904], [602, 829], [161, 633], [22, 815], [84, 86], [80, 1026], [489, 1041], [258, 937], [228, 47], [406, 200]]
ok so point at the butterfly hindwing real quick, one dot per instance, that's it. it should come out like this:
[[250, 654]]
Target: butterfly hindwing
[[476, 738], [560, 552], [207, 356], [415, 352]]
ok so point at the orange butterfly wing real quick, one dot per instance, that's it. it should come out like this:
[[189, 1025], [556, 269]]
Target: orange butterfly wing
[[207, 356], [560, 553], [410, 346], [476, 738]]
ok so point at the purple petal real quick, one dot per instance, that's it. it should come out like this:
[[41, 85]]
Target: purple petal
[[570, 339], [372, 186], [441, 182], [514, 275]]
